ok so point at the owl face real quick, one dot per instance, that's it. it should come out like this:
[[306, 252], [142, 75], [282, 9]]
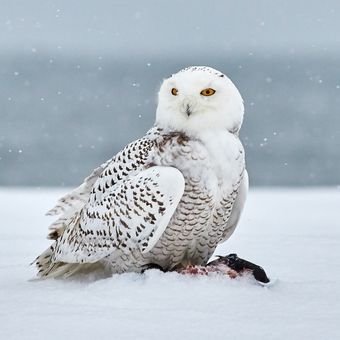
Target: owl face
[[197, 99]]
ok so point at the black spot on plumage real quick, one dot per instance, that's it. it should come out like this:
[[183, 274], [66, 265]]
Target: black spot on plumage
[[124, 224], [138, 206], [152, 216]]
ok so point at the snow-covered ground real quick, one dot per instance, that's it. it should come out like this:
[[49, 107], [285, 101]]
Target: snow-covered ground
[[293, 234]]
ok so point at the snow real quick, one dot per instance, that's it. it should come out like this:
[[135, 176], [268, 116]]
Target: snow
[[293, 233]]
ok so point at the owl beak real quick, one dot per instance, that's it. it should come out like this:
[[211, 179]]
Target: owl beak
[[188, 110], [188, 105]]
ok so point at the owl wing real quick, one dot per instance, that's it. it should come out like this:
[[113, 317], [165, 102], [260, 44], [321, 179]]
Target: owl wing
[[130, 160], [68, 205], [78, 195], [131, 214]]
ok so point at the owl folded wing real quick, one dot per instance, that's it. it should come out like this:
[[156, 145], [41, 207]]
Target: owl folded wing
[[132, 214]]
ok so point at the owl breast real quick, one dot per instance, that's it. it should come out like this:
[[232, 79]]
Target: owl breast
[[212, 173]]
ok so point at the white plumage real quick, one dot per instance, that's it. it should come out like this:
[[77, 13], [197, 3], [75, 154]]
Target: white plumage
[[167, 199]]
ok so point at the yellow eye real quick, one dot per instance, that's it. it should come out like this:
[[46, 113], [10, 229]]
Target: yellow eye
[[174, 92], [208, 92]]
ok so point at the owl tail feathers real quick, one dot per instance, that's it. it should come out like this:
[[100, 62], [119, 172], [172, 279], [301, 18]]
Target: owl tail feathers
[[48, 269]]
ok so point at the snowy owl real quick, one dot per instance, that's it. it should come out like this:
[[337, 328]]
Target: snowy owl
[[167, 199]]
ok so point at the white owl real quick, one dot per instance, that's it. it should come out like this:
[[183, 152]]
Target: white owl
[[166, 200]]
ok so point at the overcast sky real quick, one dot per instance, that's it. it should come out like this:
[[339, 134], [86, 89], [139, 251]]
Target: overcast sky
[[169, 27]]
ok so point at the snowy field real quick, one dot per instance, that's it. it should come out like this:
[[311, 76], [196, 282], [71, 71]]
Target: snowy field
[[293, 234]]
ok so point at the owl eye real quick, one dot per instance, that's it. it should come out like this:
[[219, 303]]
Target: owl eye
[[208, 92], [174, 91]]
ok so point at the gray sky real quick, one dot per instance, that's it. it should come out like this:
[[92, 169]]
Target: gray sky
[[69, 72], [169, 27]]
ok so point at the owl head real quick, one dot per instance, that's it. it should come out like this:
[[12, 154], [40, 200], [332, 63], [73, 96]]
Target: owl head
[[197, 99]]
